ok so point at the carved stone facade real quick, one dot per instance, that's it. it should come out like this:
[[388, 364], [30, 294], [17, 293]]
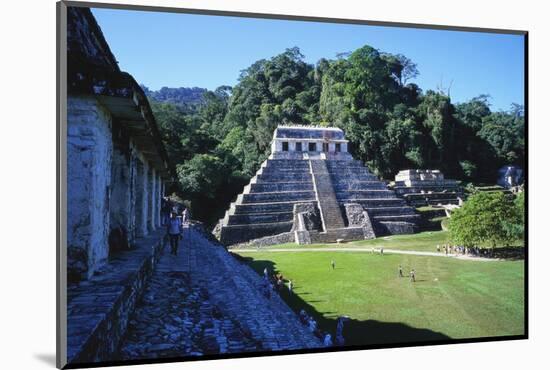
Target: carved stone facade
[[309, 142]]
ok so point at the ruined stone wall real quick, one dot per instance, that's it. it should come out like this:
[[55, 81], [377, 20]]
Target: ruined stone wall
[[89, 152], [121, 176], [110, 185]]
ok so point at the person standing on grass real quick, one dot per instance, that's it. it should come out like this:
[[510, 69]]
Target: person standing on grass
[[413, 276], [174, 229], [332, 264], [381, 250], [400, 270]]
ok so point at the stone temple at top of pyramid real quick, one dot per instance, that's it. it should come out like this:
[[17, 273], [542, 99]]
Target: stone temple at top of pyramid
[[311, 190]]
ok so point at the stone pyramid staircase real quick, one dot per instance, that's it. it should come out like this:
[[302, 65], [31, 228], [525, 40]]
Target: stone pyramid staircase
[[265, 207], [266, 204], [354, 183], [331, 214]]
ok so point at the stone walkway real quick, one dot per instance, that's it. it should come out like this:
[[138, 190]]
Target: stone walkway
[[366, 250], [204, 301]]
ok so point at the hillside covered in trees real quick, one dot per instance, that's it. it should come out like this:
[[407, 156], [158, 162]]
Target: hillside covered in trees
[[219, 140]]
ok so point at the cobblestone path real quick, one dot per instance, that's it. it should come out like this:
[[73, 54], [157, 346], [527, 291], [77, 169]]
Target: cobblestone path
[[204, 301]]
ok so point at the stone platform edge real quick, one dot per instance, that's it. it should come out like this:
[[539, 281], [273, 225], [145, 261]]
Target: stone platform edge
[[98, 310]]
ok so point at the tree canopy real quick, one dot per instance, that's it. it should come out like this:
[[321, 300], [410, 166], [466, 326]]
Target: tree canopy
[[390, 122], [488, 217]]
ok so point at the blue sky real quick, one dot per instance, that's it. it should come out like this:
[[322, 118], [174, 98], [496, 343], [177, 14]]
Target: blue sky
[[183, 50]]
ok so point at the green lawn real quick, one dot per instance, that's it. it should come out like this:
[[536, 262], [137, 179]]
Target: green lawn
[[425, 241], [451, 299]]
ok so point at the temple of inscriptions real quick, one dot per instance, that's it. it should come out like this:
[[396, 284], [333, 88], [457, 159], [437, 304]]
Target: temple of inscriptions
[[310, 190]]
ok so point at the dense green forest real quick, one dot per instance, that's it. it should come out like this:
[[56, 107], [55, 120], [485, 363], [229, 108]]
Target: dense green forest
[[218, 141]]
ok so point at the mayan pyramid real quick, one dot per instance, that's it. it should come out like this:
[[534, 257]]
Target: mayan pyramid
[[310, 174]]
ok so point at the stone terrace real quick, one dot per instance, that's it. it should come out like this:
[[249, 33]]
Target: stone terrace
[[427, 187], [98, 308], [204, 301]]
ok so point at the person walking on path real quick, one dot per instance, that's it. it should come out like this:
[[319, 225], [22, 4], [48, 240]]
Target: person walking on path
[[165, 210], [382, 250], [174, 229], [332, 264], [327, 342]]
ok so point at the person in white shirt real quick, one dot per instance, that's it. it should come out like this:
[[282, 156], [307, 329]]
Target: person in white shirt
[[174, 229]]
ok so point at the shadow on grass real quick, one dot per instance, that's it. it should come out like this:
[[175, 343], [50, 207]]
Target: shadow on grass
[[356, 332]]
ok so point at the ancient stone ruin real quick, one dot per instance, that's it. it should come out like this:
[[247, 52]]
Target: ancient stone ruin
[[311, 190], [117, 170], [427, 187], [126, 297], [117, 167]]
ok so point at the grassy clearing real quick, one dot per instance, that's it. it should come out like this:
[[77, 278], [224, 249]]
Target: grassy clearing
[[451, 298], [425, 241]]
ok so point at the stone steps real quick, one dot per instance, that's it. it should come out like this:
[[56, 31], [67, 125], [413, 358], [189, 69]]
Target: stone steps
[[241, 219], [343, 177], [345, 163], [328, 204], [235, 234], [284, 177], [280, 196], [281, 186], [285, 168], [359, 185], [255, 208], [365, 194], [266, 206], [375, 203]]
